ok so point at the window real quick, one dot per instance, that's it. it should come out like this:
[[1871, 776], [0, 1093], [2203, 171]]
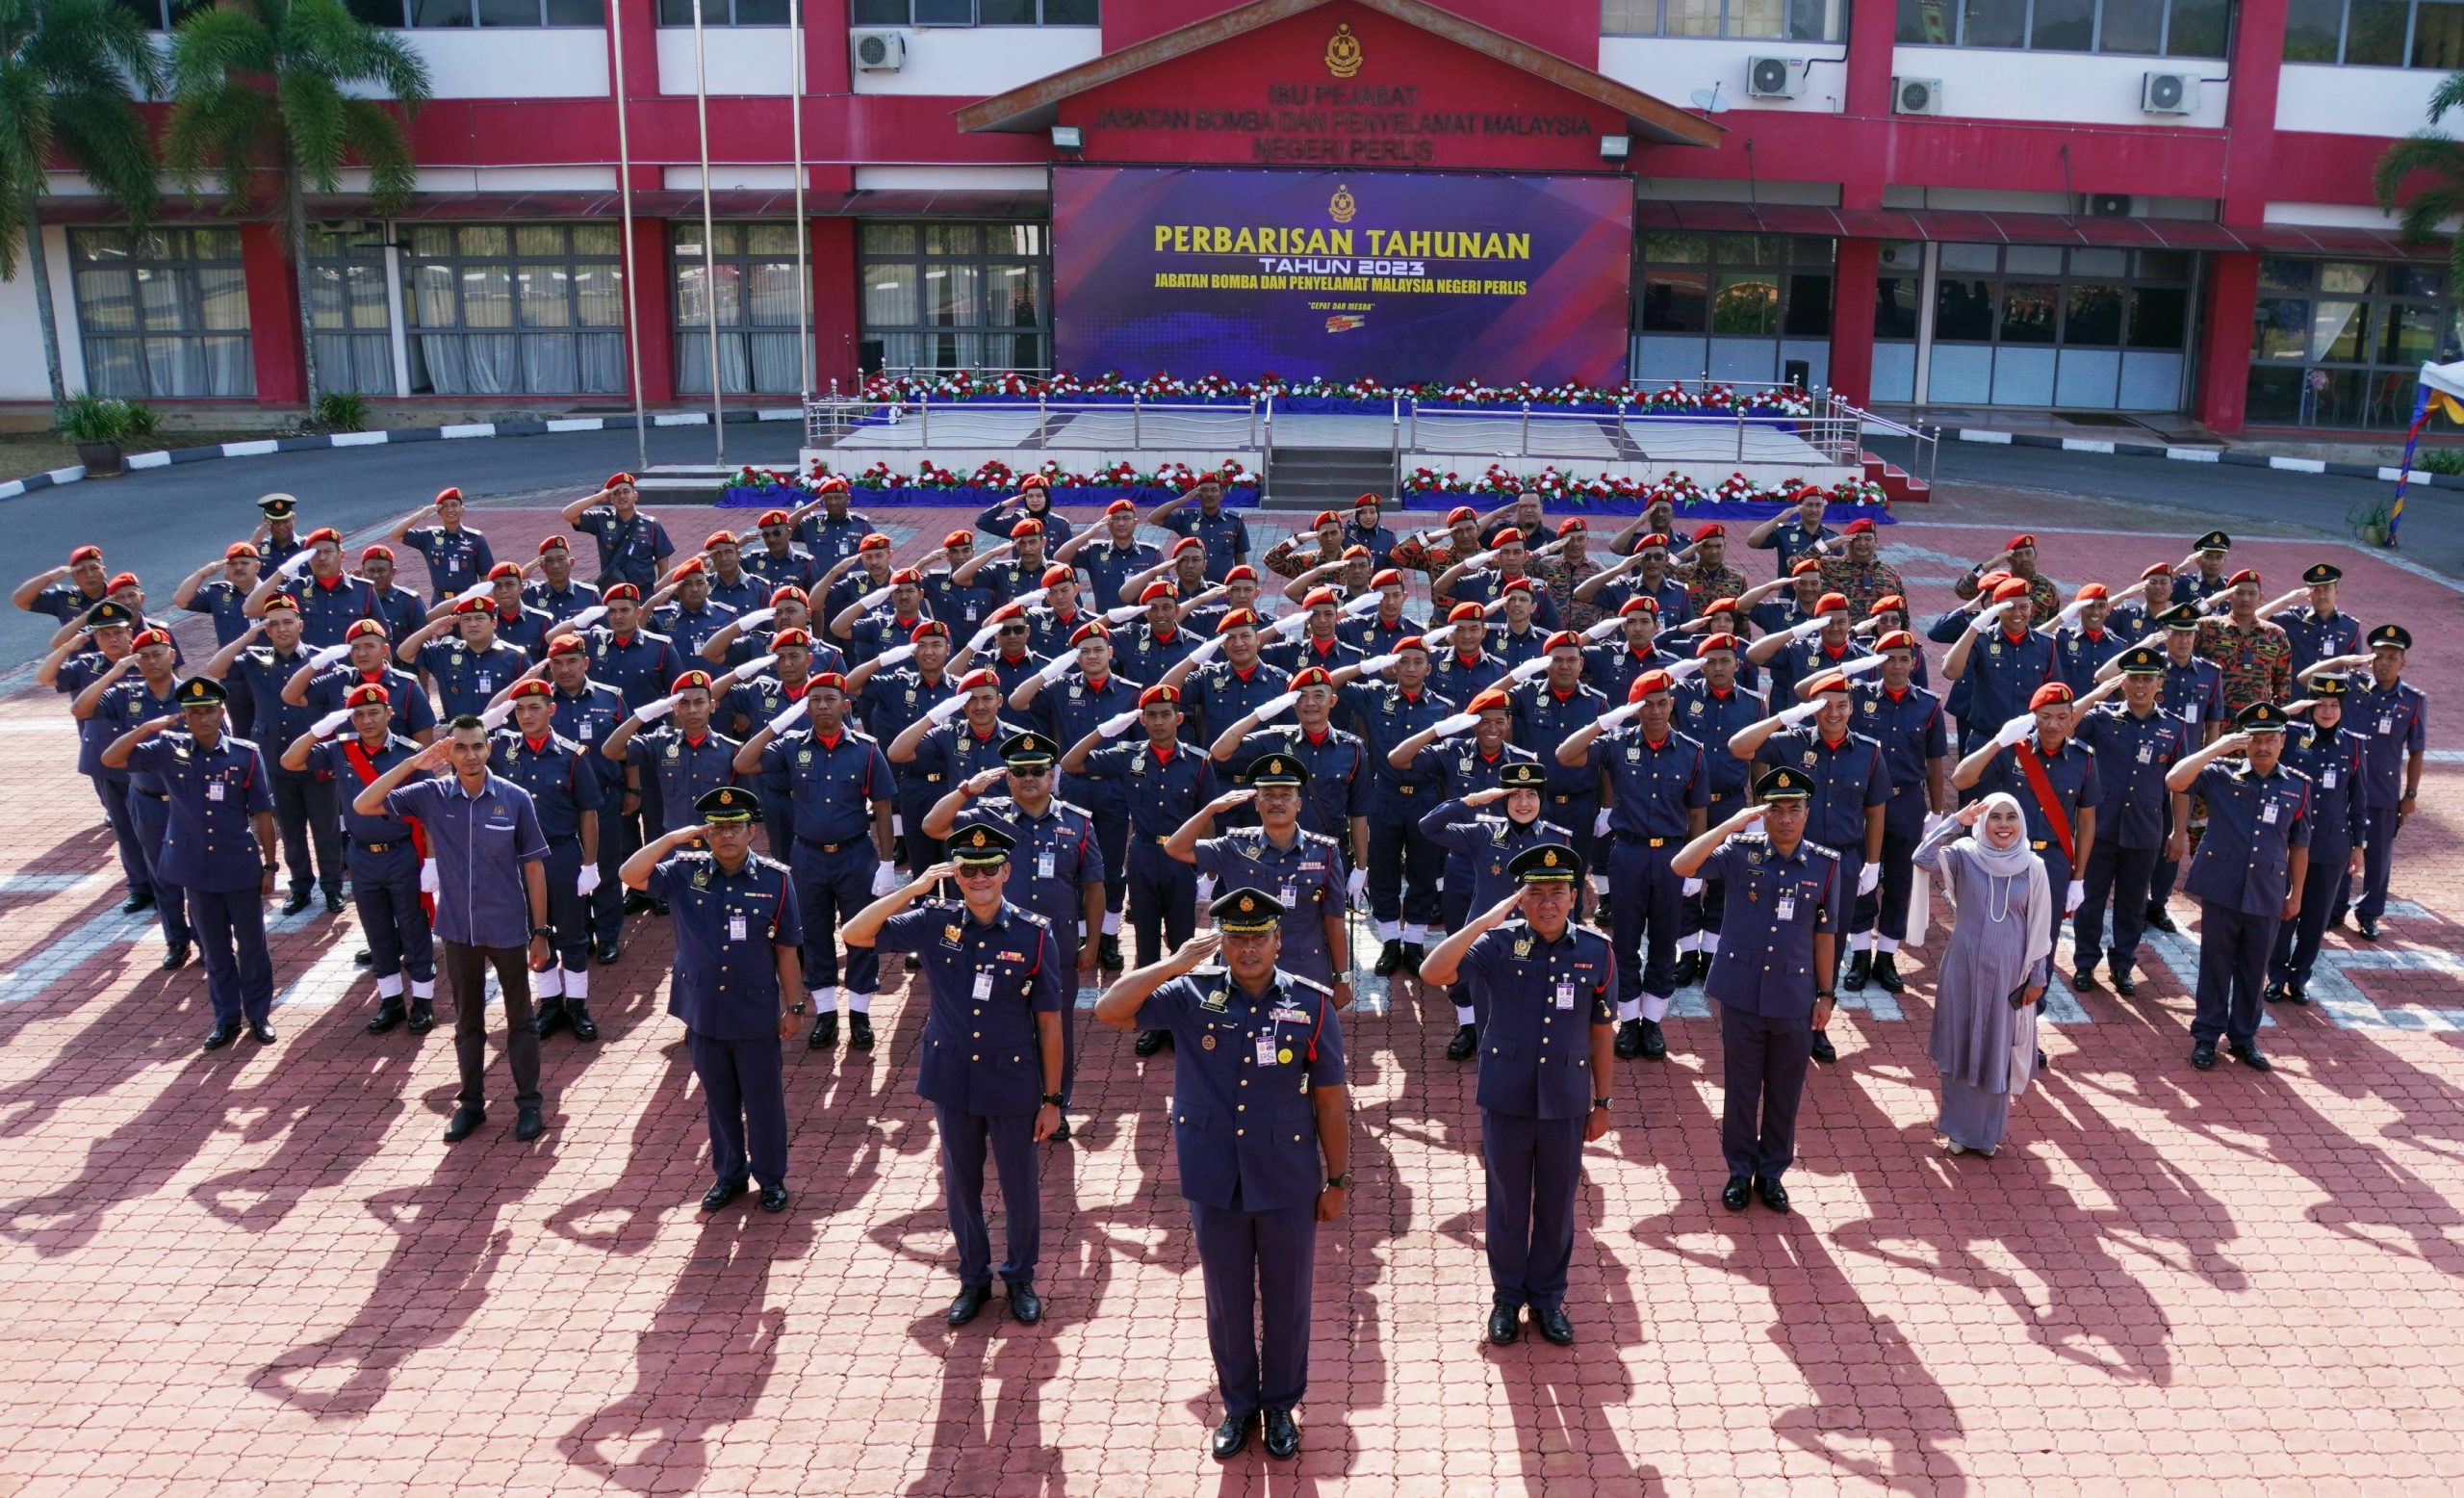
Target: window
[[427, 15], [2136, 28], [2041, 326], [1771, 20], [975, 12], [1739, 306], [757, 304], [727, 12], [163, 314], [160, 15], [346, 285], [956, 296], [514, 309], [2427, 34], [2339, 343]]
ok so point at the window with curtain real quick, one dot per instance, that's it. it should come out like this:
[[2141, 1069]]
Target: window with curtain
[[975, 12], [755, 296], [956, 296], [2424, 34], [1737, 306], [2338, 342], [162, 314], [1771, 20], [346, 287], [2136, 28], [2044, 325], [514, 309]]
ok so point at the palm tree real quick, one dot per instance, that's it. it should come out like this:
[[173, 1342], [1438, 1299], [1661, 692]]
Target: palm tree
[[259, 86], [2438, 157], [68, 72]]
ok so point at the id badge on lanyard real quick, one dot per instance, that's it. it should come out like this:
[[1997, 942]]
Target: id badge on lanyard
[[983, 984], [2266, 811], [1266, 1048], [214, 790], [1565, 995], [1786, 907], [1043, 865]]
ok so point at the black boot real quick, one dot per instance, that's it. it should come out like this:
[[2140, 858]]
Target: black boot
[[1108, 954], [2159, 919], [389, 1014], [1389, 958], [1467, 1040], [549, 1018], [1861, 966], [1149, 1042], [1630, 1040], [1655, 1044], [1414, 954], [423, 1015], [1689, 970], [859, 1031], [824, 1033], [577, 1014], [1887, 973]]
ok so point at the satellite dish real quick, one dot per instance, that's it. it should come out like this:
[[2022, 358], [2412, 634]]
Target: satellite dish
[[1709, 100]]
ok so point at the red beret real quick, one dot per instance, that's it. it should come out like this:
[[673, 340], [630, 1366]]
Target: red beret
[[1720, 606], [2010, 588], [361, 629], [1639, 603], [928, 629], [1237, 619], [448, 493], [1091, 629], [1310, 676], [1571, 524], [1830, 603], [1244, 573], [1366, 502], [83, 554], [367, 553], [1058, 574], [832, 483], [1651, 542], [1827, 681], [239, 549], [1862, 526], [2049, 694], [1026, 528], [1650, 681], [1387, 577], [958, 539], [1806, 567], [1707, 531], [689, 681], [621, 590], [788, 593], [1564, 639], [1357, 549], [366, 692], [907, 577], [1411, 642], [145, 637], [1461, 513], [801, 639], [616, 479], [1891, 603], [1120, 508], [2018, 541], [828, 678], [686, 568], [1319, 598], [1156, 694], [530, 687], [565, 645], [1325, 517], [282, 600], [322, 533], [547, 544], [1006, 613], [1188, 543], [1712, 642], [1462, 611], [773, 517], [2090, 592], [1159, 588], [1511, 535], [2249, 575], [482, 605], [1035, 481], [718, 538], [2159, 570], [1896, 640], [1517, 586], [503, 570], [981, 676], [1490, 700]]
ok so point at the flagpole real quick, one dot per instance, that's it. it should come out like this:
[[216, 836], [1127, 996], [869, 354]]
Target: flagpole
[[625, 200], [709, 239]]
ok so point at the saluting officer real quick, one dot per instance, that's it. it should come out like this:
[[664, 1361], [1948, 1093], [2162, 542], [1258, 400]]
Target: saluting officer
[[385, 853], [1302, 868], [1403, 867], [892, 697], [2246, 874], [1456, 764], [2054, 778], [1336, 797], [1711, 708], [1546, 712], [2318, 631], [736, 940], [2137, 743], [681, 758], [1910, 724], [1224, 535], [2394, 715], [1065, 700], [556, 594], [457, 555], [277, 534], [1779, 948], [1544, 984], [218, 848], [1056, 866], [2194, 691], [473, 665], [1491, 839], [2332, 755], [1260, 1125], [135, 689], [565, 795], [1996, 680], [991, 1065], [587, 711], [632, 546], [71, 669]]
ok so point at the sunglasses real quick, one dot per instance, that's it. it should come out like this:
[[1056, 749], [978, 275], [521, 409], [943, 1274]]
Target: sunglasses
[[1030, 771], [1013, 629], [982, 870]]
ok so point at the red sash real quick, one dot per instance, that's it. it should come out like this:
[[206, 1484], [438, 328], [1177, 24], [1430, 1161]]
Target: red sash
[[2032, 765], [366, 769]]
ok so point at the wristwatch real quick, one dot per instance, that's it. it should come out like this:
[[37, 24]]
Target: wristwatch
[[1341, 1182], [1823, 993], [1052, 1100], [271, 866], [540, 931], [796, 1008], [1601, 1102]]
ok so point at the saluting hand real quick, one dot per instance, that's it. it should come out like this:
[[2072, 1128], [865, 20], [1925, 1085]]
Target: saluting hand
[[1747, 817], [983, 780], [1969, 814], [1232, 799], [1484, 797], [432, 755], [1197, 949], [945, 869]]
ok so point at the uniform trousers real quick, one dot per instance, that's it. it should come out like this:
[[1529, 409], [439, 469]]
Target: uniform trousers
[[830, 888], [743, 1085], [305, 812], [1644, 918], [385, 890], [1258, 1268], [916, 852], [2233, 951], [1109, 810], [1403, 868], [2324, 889], [2124, 877], [230, 927], [1162, 899], [1885, 910], [1454, 911], [1576, 812], [1762, 1070], [569, 912], [620, 837], [1701, 914], [114, 795], [1011, 1139], [1534, 1168], [149, 816], [2378, 865], [466, 974]]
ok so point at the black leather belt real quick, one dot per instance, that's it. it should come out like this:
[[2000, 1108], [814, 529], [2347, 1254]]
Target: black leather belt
[[827, 847], [151, 795], [1644, 842], [2040, 843], [1562, 800], [377, 847]]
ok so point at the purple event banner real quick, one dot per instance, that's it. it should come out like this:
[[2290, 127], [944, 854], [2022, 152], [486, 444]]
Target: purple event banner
[[1398, 276]]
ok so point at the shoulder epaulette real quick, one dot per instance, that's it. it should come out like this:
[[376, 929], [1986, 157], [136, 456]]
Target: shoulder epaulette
[[1297, 981]]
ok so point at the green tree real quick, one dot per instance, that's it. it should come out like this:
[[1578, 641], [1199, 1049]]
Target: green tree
[[2437, 160], [276, 89], [70, 75]]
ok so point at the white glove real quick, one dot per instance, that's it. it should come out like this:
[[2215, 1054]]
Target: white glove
[[755, 667], [1619, 714], [1603, 629], [1454, 723], [1479, 559], [1684, 668], [789, 718], [494, 717], [1986, 618], [2071, 897], [1869, 878], [1690, 887], [884, 880], [1124, 613], [1031, 597], [1205, 889], [1863, 664], [985, 636], [892, 657], [2070, 611], [874, 599], [1057, 668], [1117, 724], [1211, 648], [1535, 667], [1377, 665], [755, 619], [1803, 628], [1366, 604], [1276, 707], [1600, 824], [1802, 710], [1289, 626], [656, 709], [586, 618], [1358, 882], [2015, 730], [427, 877], [298, 563], [943, 712], [331, 723], [1495, 605], [328, 656], [479, 589], [588, 879]]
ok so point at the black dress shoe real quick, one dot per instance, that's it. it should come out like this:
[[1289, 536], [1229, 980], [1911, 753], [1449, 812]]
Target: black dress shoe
[[1026, 1308], [1108, 954], [1505, 1324], [2273, 993], [176, 958], [2295, 993], [1283, 1436], [261, 1032], [333, 905], [636, 903], [389, 1014], [1467, 1040], [466, 1119], [604, 953], [725, 1192], [1553, 1326], [859, 1031], [2367, 927], [774, 1198], [422, 1016], [1149, 1042], [2248, 1054], [1860, 967], [2124, 984], [1389, 958], [1060, 1135], [143, 899], [526, 1122], [969, 1304], [577, 1014], [1822, 1048], [824, 1033], [1414, 954], [1774, 1195], [1690, 967], [548, 1019], [363, 958], [1736, 1194], [297, 902], [910, 962], [2159, 919], [2204, 1056], [1887, 973], [222, 1034], [1655, 1044], [1232, 1437], [2083, 977], [1629, 1039]]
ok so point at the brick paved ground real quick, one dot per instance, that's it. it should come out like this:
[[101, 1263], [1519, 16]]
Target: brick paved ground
[[263, 1272]]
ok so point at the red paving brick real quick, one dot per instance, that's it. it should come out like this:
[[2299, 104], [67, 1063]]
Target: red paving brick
[[262, 1272]]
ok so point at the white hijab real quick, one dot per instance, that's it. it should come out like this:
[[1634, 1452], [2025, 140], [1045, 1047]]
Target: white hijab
[[2018, 883]]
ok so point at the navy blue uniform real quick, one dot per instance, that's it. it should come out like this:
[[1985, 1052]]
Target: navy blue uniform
[[1224, 534], [629, 550], [642, 666], [748, 592], [726, 990], [1306, 879], [210, 850], [329, 607], [2194, 691], [1612, 668], [1108, 566], [2002, 674], [681, 769], [2073, 778], [413, 712], [963, 608], [981, 1064], [1373, 635], [2339, 817], [2134, 816], [1251, 1168], [1056, 856], [2239, 874], [402, 609], [1066, 711], [1490, 841], [1290, 656], [881, 630], [1808, 659], [888, 704], [111, 787], [304, 806], [561, 603], [1144, 655], [795, 565], [1849, 778], [1338, 776], [1455, 768], [1714, 718], [2078, 655], [833, 540], [467, 680], [220, 599], [128, 703], [587, 717], [2316, 639], [1764, 980], [691, 629], [66, 598], [384, 861], [1914, 731], [1216, 695], [1657, 789], [1165, 790], [2394, 724], [563, 784], [457, 557], [832, 785], [1403, 867]]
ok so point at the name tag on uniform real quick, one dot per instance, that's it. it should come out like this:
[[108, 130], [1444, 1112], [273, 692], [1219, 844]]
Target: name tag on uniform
[[2146, 754], [582, 731], [1287, 896], [735, 928], [485, 681], [2190, 716], [2386, 725], [1565, 995], [983, 984], [1788, 908], [2266, 813], [214, 790], [1265, 1048], [2327, 779], [1043, 865]]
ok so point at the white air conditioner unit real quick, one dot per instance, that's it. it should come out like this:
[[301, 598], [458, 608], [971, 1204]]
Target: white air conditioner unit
[[877, 51], [1916, 96], [2108, 205], [2169, 93], [1774, 77]]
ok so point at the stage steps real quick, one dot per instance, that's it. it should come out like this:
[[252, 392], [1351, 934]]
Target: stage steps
[[1314, 478], [1898, 483]]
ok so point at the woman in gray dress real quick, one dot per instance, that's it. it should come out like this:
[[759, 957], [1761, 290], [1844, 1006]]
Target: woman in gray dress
[[1994, 969]]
